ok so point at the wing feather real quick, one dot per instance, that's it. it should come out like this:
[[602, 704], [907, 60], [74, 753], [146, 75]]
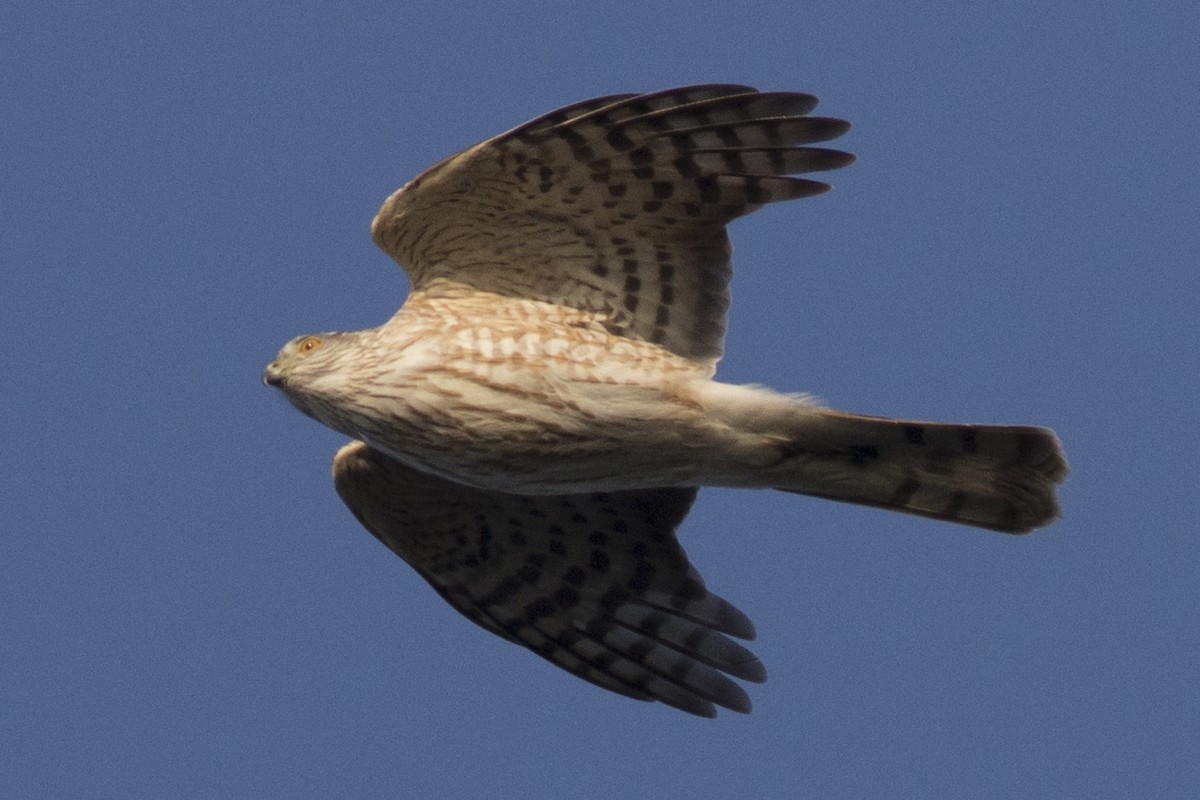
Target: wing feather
[[616, 205], [596, 584]]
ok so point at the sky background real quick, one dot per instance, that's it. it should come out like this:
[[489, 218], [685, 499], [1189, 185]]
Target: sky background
[[188, 611]]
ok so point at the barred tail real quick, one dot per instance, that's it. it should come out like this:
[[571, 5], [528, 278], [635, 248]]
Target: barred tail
[[992, 476]]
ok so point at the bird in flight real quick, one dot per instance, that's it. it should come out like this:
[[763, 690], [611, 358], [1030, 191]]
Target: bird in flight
[[532, 425]]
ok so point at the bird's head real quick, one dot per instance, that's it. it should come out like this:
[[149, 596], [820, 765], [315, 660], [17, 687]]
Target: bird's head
[[300, 365]]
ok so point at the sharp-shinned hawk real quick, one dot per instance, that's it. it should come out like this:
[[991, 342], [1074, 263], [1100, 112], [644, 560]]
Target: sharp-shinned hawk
[[531, 426]]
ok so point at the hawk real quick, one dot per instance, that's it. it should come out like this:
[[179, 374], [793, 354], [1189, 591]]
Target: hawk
[[533, 423]]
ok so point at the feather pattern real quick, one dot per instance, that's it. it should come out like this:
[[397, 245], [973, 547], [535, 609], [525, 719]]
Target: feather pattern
[[596, 584], [616, 205]]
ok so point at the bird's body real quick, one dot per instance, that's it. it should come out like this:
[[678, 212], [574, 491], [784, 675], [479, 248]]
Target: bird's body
[[520, 396], [557, 351]]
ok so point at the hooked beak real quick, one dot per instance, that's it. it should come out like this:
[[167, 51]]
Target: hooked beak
[[273, 375]]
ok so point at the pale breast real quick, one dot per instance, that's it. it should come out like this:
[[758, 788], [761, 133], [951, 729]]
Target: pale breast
[[520, 395]]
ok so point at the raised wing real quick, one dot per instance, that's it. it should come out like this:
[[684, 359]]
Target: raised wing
[[616, 205], [595, 584]]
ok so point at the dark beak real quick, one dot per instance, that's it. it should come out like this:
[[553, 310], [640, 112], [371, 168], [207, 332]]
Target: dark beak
[[272, 375]]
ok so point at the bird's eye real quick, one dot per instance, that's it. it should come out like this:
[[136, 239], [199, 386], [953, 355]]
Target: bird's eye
[[308, 344]]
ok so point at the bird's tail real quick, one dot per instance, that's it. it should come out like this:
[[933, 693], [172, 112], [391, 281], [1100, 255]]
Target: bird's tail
[[1001, 477]]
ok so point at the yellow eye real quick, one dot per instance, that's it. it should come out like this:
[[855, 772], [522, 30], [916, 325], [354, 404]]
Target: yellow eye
[[308, 344]]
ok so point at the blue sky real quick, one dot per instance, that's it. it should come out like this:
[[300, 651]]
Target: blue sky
[[189, 611]]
